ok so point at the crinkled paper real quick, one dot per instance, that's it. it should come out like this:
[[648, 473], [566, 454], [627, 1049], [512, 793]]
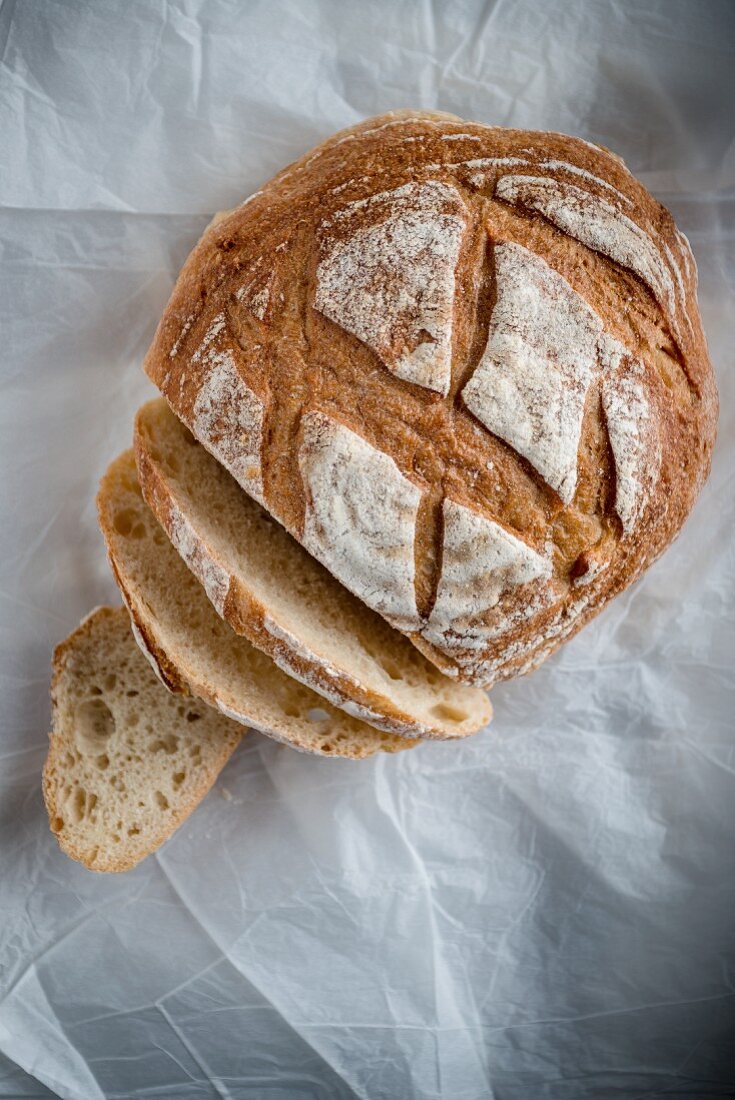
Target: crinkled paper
[[544, 911]]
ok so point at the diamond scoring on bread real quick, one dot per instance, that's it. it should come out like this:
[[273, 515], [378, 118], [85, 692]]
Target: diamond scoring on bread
[[636, 444]]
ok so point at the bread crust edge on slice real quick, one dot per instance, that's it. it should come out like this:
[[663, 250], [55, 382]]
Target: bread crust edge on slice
[[164, 668], [157, 657], [251, 619], [144, 636], [106, 862]]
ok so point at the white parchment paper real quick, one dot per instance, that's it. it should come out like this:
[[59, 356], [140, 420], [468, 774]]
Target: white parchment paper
[[545, 911]]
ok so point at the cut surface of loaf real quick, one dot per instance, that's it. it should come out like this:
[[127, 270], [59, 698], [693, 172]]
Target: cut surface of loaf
[[195, 651], [271, 591], [463, 366], [128, 761]]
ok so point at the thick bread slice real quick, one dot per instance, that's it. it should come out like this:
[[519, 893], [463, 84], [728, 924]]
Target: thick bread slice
[[270, 590], [128, 761], [195, 650]]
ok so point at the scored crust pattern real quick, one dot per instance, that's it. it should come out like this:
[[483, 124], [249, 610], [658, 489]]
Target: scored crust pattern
[[598, 224], [391, 283], [228, 416], [472, 385], [543, 348], [362, 516]]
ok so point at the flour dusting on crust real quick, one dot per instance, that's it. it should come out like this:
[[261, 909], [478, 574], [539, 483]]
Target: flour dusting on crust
[[535, 648], [680, 286], [677, 273], [634, 442], [392, 283], [597, 224], [255, 291], [217, 326], [360, 517], [480, 168], [685, 249], [481, 563], [564, 166], [182, 335], [542, 350], [227, 415]]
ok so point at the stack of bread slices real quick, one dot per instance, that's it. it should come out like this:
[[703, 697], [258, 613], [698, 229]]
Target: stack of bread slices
[[228, 625], [430, 400]]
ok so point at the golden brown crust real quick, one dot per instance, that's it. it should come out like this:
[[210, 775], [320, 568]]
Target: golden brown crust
[[248, 292]]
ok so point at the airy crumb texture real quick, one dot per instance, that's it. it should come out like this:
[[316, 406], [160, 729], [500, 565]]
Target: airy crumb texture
[[195, 650], [128, 761], [270, 590], [426, 318]]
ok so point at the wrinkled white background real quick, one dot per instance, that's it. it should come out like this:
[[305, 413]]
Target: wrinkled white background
[[546, 911]]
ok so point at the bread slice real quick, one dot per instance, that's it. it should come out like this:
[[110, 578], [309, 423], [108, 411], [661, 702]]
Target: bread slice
[[195, 650], [128, 761], [271, 591]]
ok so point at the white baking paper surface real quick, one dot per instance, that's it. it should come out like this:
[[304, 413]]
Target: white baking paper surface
[[545, 911]]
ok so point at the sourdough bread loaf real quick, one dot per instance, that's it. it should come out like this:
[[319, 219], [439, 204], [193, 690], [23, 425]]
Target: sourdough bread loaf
[[128, 761], [270, 590], [194, 651], [464, 366]]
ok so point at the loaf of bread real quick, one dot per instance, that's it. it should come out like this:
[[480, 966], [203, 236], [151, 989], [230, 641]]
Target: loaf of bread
[[271, 591], [464, 366], [128, 761], [194, 651]]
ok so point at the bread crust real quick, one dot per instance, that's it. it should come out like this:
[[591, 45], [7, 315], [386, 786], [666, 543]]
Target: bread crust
[[380, 285]]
